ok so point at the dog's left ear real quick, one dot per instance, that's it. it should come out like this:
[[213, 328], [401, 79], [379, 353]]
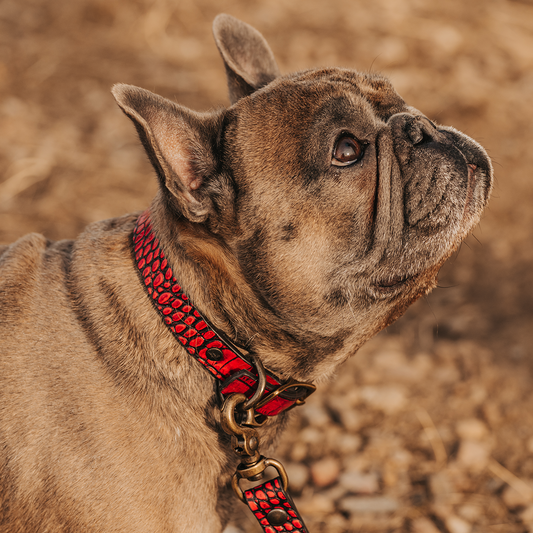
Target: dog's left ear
[[249, 61], [180, 144]]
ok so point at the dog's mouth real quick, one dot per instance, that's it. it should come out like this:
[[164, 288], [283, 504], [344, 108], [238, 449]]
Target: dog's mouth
[[392, 282], [390, 286]]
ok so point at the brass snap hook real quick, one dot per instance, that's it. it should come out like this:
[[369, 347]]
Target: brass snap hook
[[244, 440]]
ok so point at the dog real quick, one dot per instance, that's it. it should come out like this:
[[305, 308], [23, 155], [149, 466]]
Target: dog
[[299, 222]]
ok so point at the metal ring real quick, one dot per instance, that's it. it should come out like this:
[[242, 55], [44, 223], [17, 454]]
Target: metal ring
[[261, 385], [229, 424], [268, 462], [289, 384], [236, 488], [281, 471]]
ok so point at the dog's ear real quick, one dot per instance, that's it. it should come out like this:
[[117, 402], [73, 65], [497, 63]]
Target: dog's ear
[[249, 61], [180, 144]]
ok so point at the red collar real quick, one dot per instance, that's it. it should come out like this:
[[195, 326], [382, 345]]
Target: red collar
[[234, 371]]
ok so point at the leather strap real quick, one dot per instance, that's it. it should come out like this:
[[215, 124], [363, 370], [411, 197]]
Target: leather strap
[[273, 508], [233, 370]]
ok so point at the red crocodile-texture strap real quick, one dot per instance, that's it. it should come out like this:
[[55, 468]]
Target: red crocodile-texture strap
[[188, 326], [270, 496]]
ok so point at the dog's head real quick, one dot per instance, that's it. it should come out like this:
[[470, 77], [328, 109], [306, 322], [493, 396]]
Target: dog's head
[[321, 201]]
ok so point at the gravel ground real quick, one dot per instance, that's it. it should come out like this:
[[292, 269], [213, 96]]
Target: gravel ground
[[427, 429], [414, 441]]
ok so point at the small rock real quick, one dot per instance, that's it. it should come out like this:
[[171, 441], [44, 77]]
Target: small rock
[[311, 435], [441, 486], [368, 504], [396, 367], [299, 451], [473, 454], [457, 525], [360, 483], [317, 505], [470, 512], [358, 462], [348, 444], [325, 471], [336, 492], [298, 475], [389, 399], [337, 524], [472, 429], [513, 499], [423, 525], [401, 458], [316, 415], [351, 420]]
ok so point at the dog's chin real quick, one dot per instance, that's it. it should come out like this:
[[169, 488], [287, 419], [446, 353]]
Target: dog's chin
[[391, 285]]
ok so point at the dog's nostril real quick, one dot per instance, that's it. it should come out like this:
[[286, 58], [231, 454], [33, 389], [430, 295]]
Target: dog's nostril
[[415, 135], [420, 130]]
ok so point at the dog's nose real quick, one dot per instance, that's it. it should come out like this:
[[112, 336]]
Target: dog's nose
[[415, 129]]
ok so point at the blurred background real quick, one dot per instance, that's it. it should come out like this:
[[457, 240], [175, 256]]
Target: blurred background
[[429, 428]]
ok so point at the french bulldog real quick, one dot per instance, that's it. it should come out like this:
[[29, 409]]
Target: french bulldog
[[299, 221]]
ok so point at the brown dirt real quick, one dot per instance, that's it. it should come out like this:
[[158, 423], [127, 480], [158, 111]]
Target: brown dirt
[[431, 419]]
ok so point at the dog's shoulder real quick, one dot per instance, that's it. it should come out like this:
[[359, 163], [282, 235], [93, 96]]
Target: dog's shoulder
[[26, 256], [34, 268], [28, 265]]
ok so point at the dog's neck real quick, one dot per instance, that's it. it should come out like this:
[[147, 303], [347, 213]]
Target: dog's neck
[[212, 278], [235, 371], [205, 269]]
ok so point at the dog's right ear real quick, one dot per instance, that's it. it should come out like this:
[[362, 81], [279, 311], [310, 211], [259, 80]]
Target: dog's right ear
[[180, 144], [248, 59]]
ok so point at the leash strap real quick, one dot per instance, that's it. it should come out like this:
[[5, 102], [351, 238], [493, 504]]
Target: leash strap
[[273, 508], [235, 373]]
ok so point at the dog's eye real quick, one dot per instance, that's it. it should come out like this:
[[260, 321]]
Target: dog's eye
[[347, 151]]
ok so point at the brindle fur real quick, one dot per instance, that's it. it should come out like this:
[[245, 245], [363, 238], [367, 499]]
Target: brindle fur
[[106, 423]]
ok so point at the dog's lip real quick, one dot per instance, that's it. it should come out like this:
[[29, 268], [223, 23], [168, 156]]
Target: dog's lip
[[471, 185], [471, 169], [392, 282]]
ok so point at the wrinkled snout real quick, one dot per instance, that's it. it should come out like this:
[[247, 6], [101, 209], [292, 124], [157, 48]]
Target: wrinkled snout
[[439, 170]]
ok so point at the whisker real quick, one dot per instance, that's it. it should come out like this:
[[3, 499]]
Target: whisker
[[250, 339], [479, 242]]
